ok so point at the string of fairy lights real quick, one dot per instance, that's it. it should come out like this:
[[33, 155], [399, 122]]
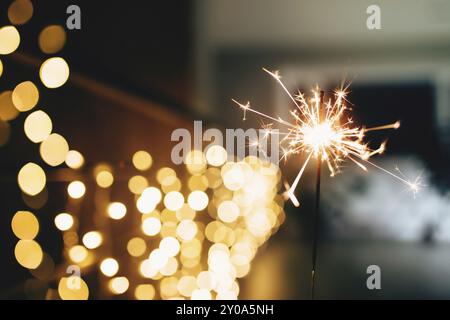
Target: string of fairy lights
[[192, 236]]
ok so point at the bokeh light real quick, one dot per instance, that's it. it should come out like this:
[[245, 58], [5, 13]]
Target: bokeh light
[[20, 11], [198, 200], [142, 160], [92, 239], [28, 253], [25, 96], [144, 292], [174, 200], [74, 159], [73, 288], [136, 247], [119, 285], [31, 179], [38, 126], [54, 150], [64, 221], [151, 226], [76, 189], [54, 72], [25, 225], [117, 210], [52, 39], [109, 267], [9, 39]]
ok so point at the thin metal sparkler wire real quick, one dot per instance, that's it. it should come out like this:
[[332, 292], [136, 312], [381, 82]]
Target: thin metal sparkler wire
[[316, 225]]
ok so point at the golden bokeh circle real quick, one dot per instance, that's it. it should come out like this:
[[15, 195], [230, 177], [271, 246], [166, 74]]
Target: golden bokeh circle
[[25, 225], [52, 39]]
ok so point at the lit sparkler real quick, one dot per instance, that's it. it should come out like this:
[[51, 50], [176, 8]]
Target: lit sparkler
[[323, 129]]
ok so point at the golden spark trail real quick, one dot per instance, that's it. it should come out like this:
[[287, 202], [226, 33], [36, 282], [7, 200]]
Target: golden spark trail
[[323, 130]]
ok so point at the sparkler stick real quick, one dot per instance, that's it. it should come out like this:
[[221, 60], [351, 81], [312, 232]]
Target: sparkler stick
[[316, 226]]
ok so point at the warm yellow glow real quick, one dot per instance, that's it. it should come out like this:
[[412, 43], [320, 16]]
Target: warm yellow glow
[[78, 253], [185, 213], [173, 200], [9, 39], [169, 287], [7, 109], [20, 11], [1, 68], [201, 294], [187, 285], [152, 195], [158, 259], [119, 285], [109, 267], [54, 150], [144, 292], [198, 200], [38, 126], [142, 160], [206, 280], [233, 176], [151, 226], [216, 155], [199, 182], [117, 210], [136, 247], [74, 159], [28, 253], [195, 162], [137, 184], [147, 269], [76, 189], [171, 183], [170, 268], [92, 239], [170, 246], [31, 179], [25, 96], [104, 179], [163, 173], [52, 39], [186, 230], [54, 72], [144, 205], [73, 288], [25, 225], [228, 211], [64, 221]]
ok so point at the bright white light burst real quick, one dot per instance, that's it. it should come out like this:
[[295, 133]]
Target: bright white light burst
[[323, 129]]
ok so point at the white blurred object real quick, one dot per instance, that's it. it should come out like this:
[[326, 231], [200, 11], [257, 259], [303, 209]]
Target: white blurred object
[[373, 204]]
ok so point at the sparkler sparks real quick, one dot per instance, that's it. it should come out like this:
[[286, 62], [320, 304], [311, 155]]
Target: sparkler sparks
[[324, 130]]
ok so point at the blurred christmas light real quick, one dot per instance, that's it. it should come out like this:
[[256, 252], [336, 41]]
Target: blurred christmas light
[[52, 39], [31, 179], [25, 96], [38, 126], [74, 159], [20, 11], [9, 39], [76, 189], [54, 72]]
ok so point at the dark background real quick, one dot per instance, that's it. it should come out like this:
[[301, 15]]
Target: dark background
[[164, 55]]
